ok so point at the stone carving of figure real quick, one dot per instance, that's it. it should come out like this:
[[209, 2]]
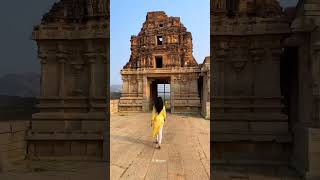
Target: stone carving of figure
[[149, 62]]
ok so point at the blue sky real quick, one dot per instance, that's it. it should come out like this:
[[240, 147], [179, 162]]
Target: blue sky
[[127, 17]]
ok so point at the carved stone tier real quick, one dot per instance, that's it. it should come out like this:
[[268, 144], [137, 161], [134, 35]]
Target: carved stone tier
[[63, 31]]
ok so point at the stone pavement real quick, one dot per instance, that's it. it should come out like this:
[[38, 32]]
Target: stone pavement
[[185, 152]]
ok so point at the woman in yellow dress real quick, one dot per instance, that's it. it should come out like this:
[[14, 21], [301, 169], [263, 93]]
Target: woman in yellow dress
[[158, 118]]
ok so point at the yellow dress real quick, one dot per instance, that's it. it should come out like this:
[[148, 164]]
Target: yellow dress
[[158, 120]]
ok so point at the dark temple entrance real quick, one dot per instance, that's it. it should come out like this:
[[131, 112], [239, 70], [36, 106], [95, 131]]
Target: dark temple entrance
[[289, 83], [160, 87]]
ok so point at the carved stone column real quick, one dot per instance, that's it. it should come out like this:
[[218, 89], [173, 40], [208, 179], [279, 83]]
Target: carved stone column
[[146, 94], [173, 82], [43, 60], [78, 67], [91, 59], [61, 58], [140, 86], [125, 85]]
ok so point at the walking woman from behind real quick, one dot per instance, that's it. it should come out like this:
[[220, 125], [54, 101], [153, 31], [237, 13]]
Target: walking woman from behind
[[158, 118]]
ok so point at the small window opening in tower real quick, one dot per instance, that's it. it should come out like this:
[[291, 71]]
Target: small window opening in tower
[[161, 25], [159, 63], [159, 40]]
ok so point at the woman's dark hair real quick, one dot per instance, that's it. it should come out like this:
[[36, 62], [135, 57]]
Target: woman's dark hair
[[158, 104]]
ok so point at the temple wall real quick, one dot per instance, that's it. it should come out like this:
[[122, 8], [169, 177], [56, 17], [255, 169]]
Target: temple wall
[[12, 143], [136, 94], [185, 94], [114, 106]]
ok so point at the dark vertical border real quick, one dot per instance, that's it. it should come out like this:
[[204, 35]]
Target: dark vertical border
[[106, 145], [211, 91]]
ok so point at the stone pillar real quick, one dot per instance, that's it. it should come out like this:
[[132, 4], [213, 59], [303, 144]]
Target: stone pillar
[[208, 97], [91, 59], [125, 85], [77, 68], [43, 60], [172, 90], [61, 58], [92, 80], [129, 86], [140, 86], [146, 94], [194, 84]]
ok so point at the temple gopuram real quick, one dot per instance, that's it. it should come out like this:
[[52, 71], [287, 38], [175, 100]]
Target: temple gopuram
[[162, 53]]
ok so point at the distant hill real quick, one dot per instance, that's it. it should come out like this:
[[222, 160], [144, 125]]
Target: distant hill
[[22, 85], [115, 95], [115, 88]]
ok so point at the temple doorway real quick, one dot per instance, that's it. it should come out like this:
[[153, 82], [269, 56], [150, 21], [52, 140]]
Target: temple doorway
[[160, 87], [289, 83]]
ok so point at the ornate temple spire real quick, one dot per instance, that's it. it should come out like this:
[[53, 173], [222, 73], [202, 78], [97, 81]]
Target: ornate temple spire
[[162, 37], [76, 11]]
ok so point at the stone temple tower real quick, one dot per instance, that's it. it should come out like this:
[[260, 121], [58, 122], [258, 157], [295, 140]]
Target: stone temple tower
[[249, 125], [73, 49], [161, 54]]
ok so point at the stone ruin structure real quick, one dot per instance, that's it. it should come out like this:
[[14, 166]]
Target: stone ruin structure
[[265, 91], [162, 54], [73, 47]]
